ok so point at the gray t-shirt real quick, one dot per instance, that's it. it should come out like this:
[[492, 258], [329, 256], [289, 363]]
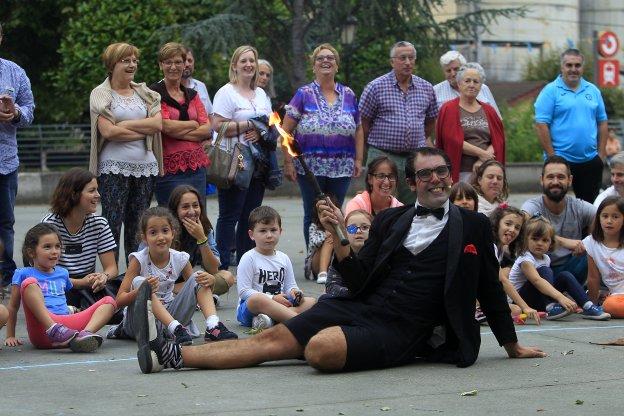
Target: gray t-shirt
[[572, 223]]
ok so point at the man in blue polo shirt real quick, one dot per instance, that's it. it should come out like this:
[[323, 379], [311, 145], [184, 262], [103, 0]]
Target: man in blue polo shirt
[[571, 122]]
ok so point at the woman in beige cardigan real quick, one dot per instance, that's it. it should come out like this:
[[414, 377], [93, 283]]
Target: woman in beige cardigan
[[126, 149]]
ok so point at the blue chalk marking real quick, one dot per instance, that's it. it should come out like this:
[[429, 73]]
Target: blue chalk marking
[[27, 367]]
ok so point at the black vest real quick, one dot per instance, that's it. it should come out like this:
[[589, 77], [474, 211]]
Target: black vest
[[414, 287]]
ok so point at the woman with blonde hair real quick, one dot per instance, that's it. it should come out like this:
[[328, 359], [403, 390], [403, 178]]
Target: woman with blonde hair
[[126, 149], [236, 103], [324, 117]]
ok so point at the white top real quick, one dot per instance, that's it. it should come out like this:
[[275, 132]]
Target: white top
[[610, 263], [444, 92], [271, 275], [610, 191], [80, 251], [201, 89], [167, 276], [127, 158], [485, 207], [516, 276], [424, 230], [228, 103], [499, 255]]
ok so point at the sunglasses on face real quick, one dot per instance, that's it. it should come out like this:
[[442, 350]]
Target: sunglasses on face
[[441, 172], [353, 229]]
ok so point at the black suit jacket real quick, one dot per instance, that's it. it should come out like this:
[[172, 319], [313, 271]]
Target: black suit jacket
[[471, 274]]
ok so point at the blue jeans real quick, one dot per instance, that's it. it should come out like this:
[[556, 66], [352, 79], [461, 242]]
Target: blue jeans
[[577, 265], [8, 193], [165, 184], [563, 282], [234, 207], [336, 187]]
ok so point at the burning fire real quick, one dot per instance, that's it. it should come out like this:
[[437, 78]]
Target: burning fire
[[288, 141]]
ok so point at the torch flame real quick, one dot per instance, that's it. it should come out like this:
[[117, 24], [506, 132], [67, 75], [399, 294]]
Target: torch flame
[[287, 139]]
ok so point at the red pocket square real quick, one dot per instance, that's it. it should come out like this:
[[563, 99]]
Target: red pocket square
[[470, 248]]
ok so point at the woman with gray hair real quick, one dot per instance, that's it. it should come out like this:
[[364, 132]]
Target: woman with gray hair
[[265, 77], [469, 131], [447, 90]]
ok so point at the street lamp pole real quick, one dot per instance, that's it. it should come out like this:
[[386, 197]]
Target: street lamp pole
[[347, 36]]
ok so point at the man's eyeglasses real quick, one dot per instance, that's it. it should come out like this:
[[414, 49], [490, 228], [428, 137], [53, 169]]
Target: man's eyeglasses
[[353, 229], [441, 172], [382, 176], [403, 58]]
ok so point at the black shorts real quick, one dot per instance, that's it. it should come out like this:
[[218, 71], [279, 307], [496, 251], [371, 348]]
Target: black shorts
[[375, 337]]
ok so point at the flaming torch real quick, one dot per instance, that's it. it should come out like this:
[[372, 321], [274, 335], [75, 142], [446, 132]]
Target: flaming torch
[[291, 145]]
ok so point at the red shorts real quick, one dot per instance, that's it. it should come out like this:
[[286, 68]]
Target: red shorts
[[78, 321]]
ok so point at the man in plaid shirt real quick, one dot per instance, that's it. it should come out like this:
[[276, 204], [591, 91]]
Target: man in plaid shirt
[[398, 112]]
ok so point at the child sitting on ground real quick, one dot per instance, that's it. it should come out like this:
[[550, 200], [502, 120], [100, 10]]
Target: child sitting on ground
[[464, 195], [161, 266], [320, 249], [265, 279], [533, 278], [41, 288], [605, 255], [358, 223]]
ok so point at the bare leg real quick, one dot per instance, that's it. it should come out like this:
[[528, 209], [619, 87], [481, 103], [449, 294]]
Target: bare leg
[[4, 315], [33, 299], [160, 312], [326, 251], [327, 350], [307, 303], [206, 302], [259, 303], [276, 343], [100, 317]]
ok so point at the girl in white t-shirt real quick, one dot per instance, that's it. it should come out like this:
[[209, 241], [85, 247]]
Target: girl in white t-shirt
[[160, 266], [536, 283], [605, 255]]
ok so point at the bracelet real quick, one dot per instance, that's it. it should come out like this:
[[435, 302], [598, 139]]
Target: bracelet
[[237, 129], [201, 243]]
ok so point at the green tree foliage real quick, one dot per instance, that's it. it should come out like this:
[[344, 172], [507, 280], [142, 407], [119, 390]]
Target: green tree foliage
[[520, 138], [93, 25]]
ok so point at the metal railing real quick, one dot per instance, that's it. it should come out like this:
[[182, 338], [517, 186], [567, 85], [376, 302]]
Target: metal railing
[[47, 147]]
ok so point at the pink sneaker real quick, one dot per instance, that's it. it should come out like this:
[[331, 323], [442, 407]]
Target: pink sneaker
[[61, 336], [86, 341]]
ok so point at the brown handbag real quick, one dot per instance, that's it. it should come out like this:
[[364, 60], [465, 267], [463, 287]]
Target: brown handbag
[[231, 166]]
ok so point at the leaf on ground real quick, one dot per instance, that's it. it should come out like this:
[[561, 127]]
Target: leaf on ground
[[469, 393], [185, 385], [569, 352], [298, 410], [579, 402], [340, 414], [141, 395], [617, 342], [541, 410], [385, 408], [253, 331]]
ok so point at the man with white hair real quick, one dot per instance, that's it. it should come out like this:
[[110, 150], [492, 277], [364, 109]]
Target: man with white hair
[[447, 90], [616, 164]]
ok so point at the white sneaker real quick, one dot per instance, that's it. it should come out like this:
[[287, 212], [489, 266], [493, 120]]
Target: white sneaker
[[321, 278], [261, 321]]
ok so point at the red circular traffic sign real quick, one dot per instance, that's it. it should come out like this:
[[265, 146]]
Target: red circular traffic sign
[[608, 44]]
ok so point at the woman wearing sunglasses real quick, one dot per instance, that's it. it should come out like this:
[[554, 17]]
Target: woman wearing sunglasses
[[381, 182]]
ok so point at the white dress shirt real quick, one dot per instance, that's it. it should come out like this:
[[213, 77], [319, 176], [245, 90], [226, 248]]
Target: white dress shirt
[[424, 230]]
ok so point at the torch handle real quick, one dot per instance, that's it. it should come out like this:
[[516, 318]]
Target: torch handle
[[337, 228]]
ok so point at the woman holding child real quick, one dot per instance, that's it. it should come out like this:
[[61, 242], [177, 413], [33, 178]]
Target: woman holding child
[[469, 132], [126, 151]]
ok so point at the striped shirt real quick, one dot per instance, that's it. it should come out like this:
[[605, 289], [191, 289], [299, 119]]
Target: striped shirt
[[80, 250], [444, 92], [397, 118]]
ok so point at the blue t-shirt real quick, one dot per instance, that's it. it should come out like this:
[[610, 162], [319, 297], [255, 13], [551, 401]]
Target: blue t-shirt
[[573, 118], [53, 285]]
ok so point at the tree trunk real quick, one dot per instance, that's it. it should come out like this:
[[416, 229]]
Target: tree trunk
[[298, 74]]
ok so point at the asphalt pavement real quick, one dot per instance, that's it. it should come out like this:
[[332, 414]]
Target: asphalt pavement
[[577, 377]]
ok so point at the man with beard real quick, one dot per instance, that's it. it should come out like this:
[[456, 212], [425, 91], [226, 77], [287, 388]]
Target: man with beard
[[189, 82], [414, 285], [571, 122], [571, 217], [616, 164]]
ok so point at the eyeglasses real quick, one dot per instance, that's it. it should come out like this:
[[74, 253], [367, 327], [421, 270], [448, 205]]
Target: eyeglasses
[[173, 63], [441, 172], [353, 229], [127, 61], [404, 58], [382, 176], [539, 217], [321, 58]]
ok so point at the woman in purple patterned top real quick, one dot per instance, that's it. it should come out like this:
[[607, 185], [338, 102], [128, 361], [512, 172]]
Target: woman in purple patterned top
[[326, 123]]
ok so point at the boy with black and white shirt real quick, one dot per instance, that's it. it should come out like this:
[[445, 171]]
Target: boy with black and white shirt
[[266, 284]]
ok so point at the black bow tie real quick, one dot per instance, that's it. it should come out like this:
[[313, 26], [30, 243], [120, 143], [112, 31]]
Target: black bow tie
[[436, 212]]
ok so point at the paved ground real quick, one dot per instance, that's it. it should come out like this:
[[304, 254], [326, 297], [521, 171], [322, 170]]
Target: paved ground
[[587, 381]]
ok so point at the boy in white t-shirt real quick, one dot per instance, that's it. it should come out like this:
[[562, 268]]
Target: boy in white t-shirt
[[266, 284]]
